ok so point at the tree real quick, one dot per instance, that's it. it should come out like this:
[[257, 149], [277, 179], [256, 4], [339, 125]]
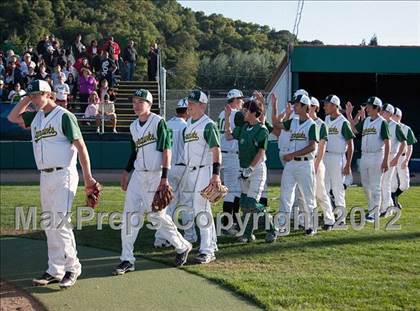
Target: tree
[[373, 41]]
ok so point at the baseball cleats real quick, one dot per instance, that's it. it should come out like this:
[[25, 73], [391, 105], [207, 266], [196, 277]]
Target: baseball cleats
[[123, 267], [68, 280], [271, 237], [327, 227], [204, 258], [232, 231], [247, 239], [370, 218], [161, 243], [45, 279], [310, 232], [181, 259]]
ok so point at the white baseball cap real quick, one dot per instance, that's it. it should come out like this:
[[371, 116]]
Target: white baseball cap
[[38, 86], [197, 96], [303, 99], [374, 101], [300, 92], [333, 99], [182, 103], [144, 94], [234, 93], [398, 112], [314, 101], [389, 108]]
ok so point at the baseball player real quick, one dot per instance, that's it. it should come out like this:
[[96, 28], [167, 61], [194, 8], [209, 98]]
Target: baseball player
[[56, 141], [398, 145], [299, 163], [203, 160], [375, 150], [176, 175], [320, 191], [401, 179], [339, 150], [230, 161], [252, 137], [150, 159]]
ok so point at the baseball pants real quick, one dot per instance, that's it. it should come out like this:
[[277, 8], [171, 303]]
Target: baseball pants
[[297, 174], [322, 195], [387, 178], [58, 189], [176, 176], [230, 165], [371, 177], [334, 164], [138, 200], [401, 178], [199, 208]]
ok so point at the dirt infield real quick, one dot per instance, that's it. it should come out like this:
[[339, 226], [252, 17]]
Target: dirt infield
[[14, 298]]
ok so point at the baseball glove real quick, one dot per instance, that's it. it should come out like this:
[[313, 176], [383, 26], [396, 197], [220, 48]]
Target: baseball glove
[[93, 194], [214, 193], [163, 196]]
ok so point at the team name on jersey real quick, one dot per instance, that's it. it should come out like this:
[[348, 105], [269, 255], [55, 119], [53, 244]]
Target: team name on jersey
[[298, 136], [145, 140], [333, 131], [44, 133], [193, 136], [369, 131]]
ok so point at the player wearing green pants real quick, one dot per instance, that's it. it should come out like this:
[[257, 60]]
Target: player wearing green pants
[[252, 139]]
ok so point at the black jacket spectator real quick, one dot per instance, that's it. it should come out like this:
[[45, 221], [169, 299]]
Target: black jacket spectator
[[152, 63]]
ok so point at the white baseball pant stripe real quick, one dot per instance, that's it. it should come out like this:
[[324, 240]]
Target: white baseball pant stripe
[[387, 178], [401, 178], [371, 177], [197, 179], [230, 174], [58, 189], [176, 177], [334, 164], [138, 199], [297, 174]]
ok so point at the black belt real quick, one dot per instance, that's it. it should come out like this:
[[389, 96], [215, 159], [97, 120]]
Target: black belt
[[50, 170], [196, 167], [180, 164], [302, 159], [229, 152]]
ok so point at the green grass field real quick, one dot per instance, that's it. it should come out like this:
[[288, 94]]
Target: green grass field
[[345, 270]]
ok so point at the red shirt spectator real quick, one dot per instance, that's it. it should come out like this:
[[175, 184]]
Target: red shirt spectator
[[113, 48]]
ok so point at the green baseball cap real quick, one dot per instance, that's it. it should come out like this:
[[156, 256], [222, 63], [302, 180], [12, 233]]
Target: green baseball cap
[[144, 94], [38, 86]]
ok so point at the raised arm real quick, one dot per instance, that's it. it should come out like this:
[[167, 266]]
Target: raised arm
[[15, 116]]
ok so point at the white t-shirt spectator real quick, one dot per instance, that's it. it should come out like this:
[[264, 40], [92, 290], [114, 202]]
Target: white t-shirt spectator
[[24, 67], [62, 90], [92, 110]]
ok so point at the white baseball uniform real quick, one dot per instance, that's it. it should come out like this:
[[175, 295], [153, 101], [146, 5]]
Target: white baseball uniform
[[142, 187], [373, 134], [198, 158], [401, 178], [397, 137], [299, 171], [339, 132], [56, 158]]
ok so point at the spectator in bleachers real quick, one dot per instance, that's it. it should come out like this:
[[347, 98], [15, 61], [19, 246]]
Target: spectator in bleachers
[[113, 48], [103, 89], [77, 47], [13, 73], [108, 68], [87, 85], [92, 109], [12, 57], [49, 59], [152, 62], [130, 57], [69, 69], [30, 76], [81, 63], [93, 51], [62, 90], [26, 64], [2, 69], [42, 73], [72, 83], [42, 45], [55, 76], [3, 92], [16, 94], [34, 55], [107, 111]]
